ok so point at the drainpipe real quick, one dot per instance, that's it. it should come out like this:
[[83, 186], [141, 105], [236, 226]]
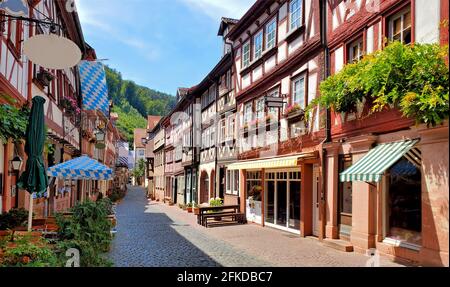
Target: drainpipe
[[326, 74]]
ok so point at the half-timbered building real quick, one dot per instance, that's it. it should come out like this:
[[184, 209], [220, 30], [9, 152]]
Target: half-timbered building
[[396, 213], [20, 81], [278, 61]]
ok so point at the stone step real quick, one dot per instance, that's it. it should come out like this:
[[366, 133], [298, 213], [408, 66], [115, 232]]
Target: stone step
[[338, 244]]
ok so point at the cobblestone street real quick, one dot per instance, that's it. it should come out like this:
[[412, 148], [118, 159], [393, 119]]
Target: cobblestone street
[[156, 235]]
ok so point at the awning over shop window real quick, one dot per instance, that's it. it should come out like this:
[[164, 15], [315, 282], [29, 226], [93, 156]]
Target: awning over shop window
[[93, 87], [280, 162], [373, 165], [81, 168]]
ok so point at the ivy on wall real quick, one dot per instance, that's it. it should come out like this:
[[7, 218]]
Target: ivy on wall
[[411, 78], [13, 122]]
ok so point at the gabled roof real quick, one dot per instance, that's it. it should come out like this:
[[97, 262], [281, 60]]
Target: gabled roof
[[139, 134], [224, 23], [152, 122], [251, 16]]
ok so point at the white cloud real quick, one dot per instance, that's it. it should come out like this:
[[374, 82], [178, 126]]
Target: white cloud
[[220, 8], [97, 18]]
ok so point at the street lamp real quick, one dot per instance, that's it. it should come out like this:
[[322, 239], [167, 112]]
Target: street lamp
[[16, 164], [144, 141], [100, 136]]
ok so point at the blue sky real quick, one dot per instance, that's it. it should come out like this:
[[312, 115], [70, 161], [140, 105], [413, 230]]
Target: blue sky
[[161, 44]]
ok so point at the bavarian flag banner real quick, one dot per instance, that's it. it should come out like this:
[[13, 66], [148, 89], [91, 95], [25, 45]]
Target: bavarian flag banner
[[93, 86]]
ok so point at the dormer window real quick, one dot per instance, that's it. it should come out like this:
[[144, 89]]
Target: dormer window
[[246, 55], [271, 32], [258, 45], [295, 14]]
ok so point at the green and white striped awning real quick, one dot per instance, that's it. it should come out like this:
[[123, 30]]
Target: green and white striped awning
[[373, 165]]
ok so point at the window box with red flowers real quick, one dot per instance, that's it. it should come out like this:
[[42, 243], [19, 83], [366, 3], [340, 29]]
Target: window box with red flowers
[[294, 113], [71, 105]]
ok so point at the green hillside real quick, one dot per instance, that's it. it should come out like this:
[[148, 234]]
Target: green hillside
[[134, 102]]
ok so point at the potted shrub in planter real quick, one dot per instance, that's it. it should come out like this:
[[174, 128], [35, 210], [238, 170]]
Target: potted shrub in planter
[[189, 207], [195, 208], [216, 202]]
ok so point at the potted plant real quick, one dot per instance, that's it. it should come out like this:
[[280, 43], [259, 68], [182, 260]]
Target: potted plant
[[189, 207], [216, 202], [195, 208], [44, 77]]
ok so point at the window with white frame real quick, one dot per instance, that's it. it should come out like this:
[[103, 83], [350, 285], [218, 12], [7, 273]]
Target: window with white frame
[[298, 91], [229, 80], [178, 153], [273, 112], [295, 14], [232, 182], [246, 55], [355, 51], [258, 43], [222, 134], [271, 32], [260, 104], [204, 139], [231, 127], [213, 136], [212, 94], [248, 111], [399, 27]]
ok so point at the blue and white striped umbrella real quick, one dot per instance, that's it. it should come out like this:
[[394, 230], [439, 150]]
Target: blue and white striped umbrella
[[94, 87], [81, 168]]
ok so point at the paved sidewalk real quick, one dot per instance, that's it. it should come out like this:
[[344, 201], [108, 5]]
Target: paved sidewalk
[[153, 234]]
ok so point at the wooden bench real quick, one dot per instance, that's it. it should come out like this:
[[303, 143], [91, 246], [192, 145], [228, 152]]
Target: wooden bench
[[235, 217], [226, 211]]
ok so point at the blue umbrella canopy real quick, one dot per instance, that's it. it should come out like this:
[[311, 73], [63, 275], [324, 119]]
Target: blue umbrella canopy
[[81, 168]]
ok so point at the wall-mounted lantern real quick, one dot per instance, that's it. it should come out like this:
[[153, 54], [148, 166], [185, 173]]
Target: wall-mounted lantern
[[16, 164]]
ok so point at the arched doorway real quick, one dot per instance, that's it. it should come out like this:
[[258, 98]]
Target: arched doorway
[[204, 187]]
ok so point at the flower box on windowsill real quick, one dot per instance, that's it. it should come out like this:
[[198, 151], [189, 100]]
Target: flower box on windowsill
[[44, 77], [296, 116]]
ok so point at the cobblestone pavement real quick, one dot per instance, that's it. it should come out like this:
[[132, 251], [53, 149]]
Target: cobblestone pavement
[[157, 235]]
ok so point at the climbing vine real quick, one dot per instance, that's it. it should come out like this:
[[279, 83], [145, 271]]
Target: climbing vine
[[13, 122], [411, 78]]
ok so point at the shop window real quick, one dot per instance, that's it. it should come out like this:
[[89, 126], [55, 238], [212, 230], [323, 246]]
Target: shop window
[[345, 203], [404, 202], [254, 185], [232, 182], [399, 27]]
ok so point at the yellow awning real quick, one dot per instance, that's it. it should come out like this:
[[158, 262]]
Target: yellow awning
[[272, 163]]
